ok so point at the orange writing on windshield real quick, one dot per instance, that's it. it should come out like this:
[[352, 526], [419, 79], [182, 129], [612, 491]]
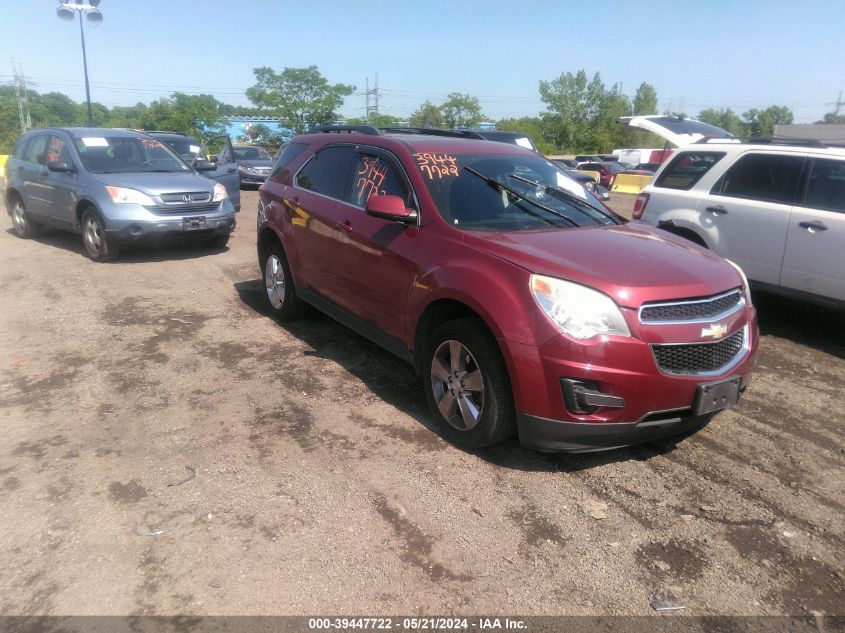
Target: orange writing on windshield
[[437, 166]]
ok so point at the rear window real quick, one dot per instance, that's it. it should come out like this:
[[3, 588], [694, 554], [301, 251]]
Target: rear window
[[287, 155], [686, 169], [772, 178]]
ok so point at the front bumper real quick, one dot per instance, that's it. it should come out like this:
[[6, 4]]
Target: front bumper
[[133, 224], [646, 402]]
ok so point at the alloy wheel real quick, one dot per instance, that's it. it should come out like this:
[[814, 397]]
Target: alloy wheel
[[457, 385], [274, 281]]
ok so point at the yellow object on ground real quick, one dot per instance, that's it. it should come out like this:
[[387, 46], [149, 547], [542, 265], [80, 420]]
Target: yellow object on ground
[[629, 183]]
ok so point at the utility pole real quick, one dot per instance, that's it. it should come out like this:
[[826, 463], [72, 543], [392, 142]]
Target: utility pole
[[838, 103], [21, 96], [368, 110]]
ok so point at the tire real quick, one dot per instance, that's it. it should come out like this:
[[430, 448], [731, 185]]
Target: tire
[[23, 225], [97, 245], [467, 385], [280, 292], [217, 243]]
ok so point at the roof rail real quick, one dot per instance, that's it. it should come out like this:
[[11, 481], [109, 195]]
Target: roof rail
[[433, 131], [349, 129], [160, 132], [800, 142]]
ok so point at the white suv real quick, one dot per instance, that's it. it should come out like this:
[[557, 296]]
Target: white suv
[[776, 209]]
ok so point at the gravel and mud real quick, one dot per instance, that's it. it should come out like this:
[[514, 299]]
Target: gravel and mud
[[168, 448]]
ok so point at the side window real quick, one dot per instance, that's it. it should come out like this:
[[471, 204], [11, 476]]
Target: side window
[[58, 150], [375, 176], [36, 151], [686, 169], [20, 147], [328, 172], [766, 177], [288, 153], [826, 186]]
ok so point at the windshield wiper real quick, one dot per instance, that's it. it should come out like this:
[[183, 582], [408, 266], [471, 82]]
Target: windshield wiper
[[566, 196], [496, 184]]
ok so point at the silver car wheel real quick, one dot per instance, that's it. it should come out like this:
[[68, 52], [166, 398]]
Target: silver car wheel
[[274, 281], [457, 384], [18, 217], [92, 233]]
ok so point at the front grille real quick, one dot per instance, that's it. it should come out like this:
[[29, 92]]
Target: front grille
[[698, 310], [187, 202], [698, 358]]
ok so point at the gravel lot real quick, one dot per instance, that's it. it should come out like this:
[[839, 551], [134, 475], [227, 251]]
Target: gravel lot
[[321, 485]]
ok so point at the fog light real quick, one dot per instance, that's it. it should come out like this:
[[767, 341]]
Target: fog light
[[583, 396]]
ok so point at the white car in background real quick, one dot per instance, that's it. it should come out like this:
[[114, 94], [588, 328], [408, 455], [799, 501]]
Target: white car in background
[[776, 208]]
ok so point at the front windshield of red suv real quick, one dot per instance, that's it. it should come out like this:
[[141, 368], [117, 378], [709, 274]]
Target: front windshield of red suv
[[501, 192]]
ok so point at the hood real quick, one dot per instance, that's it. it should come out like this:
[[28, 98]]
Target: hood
[[633, 263], [157, 183], [677, 130]]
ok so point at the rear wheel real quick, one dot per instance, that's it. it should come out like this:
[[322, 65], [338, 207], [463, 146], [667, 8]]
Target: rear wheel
[[278, 285], [24, 226], [97, 244], [467, 385]]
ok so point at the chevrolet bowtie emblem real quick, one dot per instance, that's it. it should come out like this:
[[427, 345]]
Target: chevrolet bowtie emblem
[[714, 331]]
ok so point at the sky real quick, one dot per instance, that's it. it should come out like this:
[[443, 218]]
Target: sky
[[737, 54]]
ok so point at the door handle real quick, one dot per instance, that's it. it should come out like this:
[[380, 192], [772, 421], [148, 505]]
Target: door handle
[[346, 225], [717, 210], [230, 170], [812, 227]]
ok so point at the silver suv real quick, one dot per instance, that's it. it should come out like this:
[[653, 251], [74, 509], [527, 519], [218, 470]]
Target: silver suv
[[777, 209], [114, 187]]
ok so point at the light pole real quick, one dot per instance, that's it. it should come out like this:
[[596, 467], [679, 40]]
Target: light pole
[[65, 12]]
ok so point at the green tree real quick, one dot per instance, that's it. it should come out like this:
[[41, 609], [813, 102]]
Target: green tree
[[573, 105], [461, 111], [609, 132], [645, 100], [196, 115], [261, 135], [724, 118], [761, 123], [302, 97], [427, 115]]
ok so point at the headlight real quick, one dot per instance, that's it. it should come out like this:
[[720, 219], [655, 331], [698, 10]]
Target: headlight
[[219, 193], [745, 286], [577, 310], [122, 195]]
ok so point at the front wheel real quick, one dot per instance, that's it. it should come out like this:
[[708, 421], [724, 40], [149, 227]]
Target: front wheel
[[467, 384], [278, 285], [97, 244]]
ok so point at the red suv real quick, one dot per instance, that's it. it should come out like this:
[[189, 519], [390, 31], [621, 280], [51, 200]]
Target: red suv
[[526, 305]]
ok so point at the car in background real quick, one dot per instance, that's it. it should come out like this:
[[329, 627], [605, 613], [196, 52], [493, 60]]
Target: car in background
[[254, 163], [115, 187], [502, 136], [565, 163], [402, 237], [777, 210], [607, 171], [588, 182], [192, 151]]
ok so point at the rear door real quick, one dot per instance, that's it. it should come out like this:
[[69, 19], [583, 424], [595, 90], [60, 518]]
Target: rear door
[[815, 245], [748, 211], [32, 173]]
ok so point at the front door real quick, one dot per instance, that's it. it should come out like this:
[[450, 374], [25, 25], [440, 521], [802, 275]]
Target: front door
[[374, 254], [226, 172]]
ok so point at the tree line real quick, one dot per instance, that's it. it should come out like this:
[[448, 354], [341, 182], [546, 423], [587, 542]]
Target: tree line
[[581, 113]]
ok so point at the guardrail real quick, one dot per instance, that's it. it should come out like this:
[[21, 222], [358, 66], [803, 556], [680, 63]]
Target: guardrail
[[630, 183]]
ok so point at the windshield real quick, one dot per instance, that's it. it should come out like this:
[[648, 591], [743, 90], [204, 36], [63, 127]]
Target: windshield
[[187, 148], [127, 154], [486, 192], [251, 153]]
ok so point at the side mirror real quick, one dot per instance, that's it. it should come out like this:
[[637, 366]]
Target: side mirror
[[204, 165], [390, 208], [59, 166]]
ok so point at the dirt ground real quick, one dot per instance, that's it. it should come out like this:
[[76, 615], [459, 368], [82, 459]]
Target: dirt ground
[[318, 483]]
